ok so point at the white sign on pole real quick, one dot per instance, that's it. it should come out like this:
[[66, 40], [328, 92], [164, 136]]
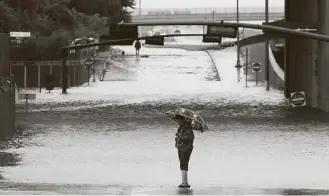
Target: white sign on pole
[[257, 67], [20, 34], [27, 96], [298, 99]]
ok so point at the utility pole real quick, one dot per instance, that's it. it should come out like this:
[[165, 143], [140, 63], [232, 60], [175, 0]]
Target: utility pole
[[247, 62], [238, 64], [267, 61], [140, 7]]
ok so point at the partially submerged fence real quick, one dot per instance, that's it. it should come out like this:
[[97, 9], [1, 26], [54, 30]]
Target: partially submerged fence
[[33, 73]]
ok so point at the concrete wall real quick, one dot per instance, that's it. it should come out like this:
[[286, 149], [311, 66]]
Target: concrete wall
[[257, 54], [322, 63], [5, 49], [7, 98], [301, 53], [7, 112]]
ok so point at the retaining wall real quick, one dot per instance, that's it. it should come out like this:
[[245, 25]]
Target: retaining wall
[[7, 112]]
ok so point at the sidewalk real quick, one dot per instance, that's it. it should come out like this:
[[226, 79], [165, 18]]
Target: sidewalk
[[48, 189]]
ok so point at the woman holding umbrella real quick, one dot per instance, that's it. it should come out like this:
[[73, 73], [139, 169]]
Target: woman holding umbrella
[[187, 121], [184, 144]]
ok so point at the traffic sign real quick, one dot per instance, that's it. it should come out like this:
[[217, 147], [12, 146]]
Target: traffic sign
[[20, 34], [89, 62], [123, 32], [158, 41], [298, 99], [257, 67], [211, 39], [230, 32]]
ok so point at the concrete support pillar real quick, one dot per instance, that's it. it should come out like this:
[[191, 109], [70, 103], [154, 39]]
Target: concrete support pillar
[[300, 52], [323, 56]]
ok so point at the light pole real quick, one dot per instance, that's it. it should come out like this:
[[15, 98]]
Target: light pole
[[140, 7], [238, 64], [267, 61]]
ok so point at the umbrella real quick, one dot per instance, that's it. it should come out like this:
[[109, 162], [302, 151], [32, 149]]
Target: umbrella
[[195, 119]]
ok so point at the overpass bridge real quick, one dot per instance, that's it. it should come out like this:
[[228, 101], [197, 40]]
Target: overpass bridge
[[206, 14]]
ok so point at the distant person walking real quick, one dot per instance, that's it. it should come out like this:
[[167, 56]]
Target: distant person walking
[[137, 47]]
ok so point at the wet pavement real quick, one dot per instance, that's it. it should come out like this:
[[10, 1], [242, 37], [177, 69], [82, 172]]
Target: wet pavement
[[113, 137]]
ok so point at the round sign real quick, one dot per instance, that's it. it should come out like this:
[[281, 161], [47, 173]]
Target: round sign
[[298, 99], [256, 67], [89, 62]]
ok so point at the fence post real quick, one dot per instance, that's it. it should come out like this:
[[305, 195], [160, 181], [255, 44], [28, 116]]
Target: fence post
[[74, 75], [39, 77], [25, 76]]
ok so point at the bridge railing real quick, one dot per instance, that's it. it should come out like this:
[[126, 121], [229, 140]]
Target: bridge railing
[[223, 10]]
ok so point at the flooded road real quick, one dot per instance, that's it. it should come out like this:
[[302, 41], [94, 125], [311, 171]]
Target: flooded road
[[114, 133]]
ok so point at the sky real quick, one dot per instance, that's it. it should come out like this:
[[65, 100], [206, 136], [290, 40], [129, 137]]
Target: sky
[[206, 3]]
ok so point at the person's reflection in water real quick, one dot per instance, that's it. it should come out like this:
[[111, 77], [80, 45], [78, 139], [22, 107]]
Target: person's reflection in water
[[184, 191]]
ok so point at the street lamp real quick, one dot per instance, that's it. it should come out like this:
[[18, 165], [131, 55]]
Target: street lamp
[[140, 7], [267, 61], [238, 64]]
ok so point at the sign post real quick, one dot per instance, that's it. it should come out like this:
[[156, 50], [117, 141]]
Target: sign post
[[26, 97], [88, 64], [247, 63], [298, 99], [257, 67], [17, 38]]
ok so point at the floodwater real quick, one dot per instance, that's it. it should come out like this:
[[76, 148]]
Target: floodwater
[[115, 133]]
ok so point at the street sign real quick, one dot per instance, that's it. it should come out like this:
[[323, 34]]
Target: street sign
[[211, 39], [89, 62], [230, 32], [257, 67], [20, 34], [158, 41], [298, 99], [118, 31]]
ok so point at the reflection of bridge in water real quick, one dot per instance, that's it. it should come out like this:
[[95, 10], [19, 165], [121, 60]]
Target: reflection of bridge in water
[[206, 14]]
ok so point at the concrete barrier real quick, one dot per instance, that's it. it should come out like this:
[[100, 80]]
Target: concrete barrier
[[7, 112]]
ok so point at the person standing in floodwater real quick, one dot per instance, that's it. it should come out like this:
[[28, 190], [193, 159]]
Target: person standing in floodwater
[[137, 47], [184, 144]]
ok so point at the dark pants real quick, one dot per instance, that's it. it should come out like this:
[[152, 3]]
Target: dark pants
[[184, 158]]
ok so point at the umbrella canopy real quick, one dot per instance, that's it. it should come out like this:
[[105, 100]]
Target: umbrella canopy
[[195, 119]]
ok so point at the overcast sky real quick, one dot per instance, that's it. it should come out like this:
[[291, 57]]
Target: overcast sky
[[206, 3]]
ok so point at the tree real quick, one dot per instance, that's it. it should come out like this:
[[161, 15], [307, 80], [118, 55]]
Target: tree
[[59, 21]]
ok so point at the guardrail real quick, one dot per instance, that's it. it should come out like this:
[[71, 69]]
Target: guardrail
[[228, 10]]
